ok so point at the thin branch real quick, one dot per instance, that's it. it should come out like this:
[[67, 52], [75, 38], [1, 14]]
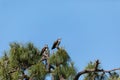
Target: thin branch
[[97, 64], [94, 70]]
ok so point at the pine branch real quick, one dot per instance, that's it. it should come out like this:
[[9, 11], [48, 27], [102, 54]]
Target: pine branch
[[94, 70], [13, 70]]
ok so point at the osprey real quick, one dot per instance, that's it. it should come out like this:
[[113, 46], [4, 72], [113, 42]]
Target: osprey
[[44, 49], [56, 44]]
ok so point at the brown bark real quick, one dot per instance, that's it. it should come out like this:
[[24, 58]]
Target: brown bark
[[93, 70]]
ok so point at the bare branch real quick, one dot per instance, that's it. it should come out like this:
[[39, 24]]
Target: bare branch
[[94, 70], [97, 64]]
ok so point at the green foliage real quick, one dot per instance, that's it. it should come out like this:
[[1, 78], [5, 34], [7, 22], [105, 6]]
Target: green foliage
[[23, 58], [4, 68], [114, 76], [60, 57], [64, 67], [38, 71]]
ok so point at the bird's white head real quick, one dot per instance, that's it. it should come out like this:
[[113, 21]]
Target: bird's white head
[[59, 39], [46, 45]]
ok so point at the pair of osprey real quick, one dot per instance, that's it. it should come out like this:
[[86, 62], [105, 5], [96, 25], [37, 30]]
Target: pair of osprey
[[55, 45]]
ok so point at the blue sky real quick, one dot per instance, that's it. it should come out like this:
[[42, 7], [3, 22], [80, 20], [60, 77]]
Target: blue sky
[[90, 29]]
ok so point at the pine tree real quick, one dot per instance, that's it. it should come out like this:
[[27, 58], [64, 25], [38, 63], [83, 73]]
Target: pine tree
[[26, 62]]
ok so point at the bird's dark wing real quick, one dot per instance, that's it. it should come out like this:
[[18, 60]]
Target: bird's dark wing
[[54, 44], [42, 51]]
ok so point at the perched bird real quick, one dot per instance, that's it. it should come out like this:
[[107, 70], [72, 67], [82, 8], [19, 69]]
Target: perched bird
[[56, 44], [44, 49]]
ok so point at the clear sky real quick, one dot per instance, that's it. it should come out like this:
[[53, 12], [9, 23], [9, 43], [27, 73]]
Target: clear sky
[[90, 29]]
